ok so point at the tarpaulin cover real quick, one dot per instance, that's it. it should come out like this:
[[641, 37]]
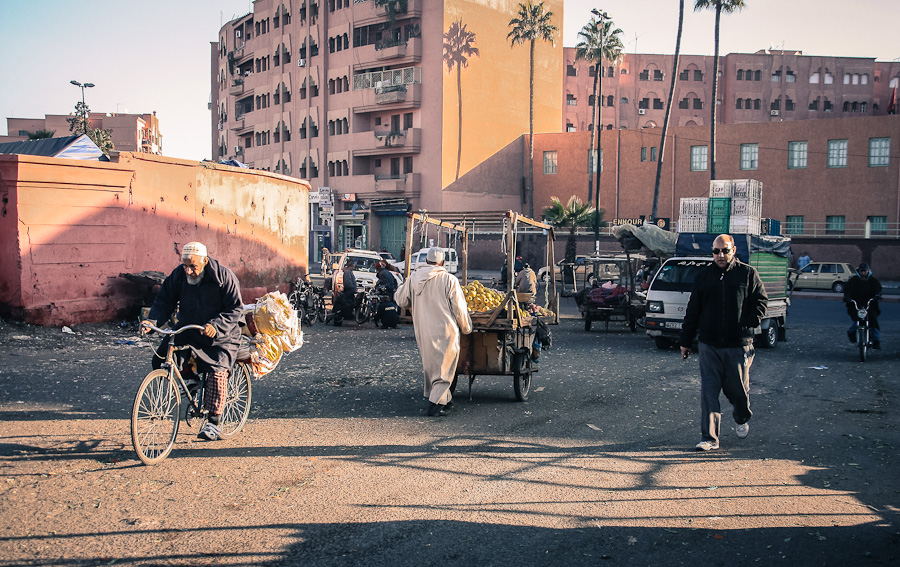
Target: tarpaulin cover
[[701, 244], [632, 237], [69, 147]]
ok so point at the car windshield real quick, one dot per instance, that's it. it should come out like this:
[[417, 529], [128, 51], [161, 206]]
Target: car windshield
[[678, 275], [363, 263]]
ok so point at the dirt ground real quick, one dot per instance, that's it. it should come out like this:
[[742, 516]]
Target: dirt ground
[[338, 464]]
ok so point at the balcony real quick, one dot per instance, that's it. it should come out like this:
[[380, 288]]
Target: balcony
[[403, 183], [403, 53], [388, 142], [237, 87]]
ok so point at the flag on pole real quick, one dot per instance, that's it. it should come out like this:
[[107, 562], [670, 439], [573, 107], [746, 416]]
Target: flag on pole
[[891, 105]]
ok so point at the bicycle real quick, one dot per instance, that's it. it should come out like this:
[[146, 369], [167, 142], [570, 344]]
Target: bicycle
[[155, 415]]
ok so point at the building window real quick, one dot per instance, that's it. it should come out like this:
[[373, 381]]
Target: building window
[[740, 74], [684, 75], [408, 164], [645, 75], [814, 78], [653, 154], [657, 104], [757, 104], [837, 153], [776, 76], [739, 104], [834, 224], [698, 75], [591, 100], [570, 100], [643, 154], [609, 100], [877, 225], [757, 75], [788, 104], [790, 77], [829, 78], [826, 106], [684, 104], [644, 103], [698, 104], [550, 163], [793, 224], [698, 158], [749, 156], [570, 127], [814, 105], [657, 75], [879, 149], [797, 155], [570, 71], [623, 100]]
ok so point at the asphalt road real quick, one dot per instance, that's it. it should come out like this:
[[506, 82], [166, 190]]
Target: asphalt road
[[339, 465]]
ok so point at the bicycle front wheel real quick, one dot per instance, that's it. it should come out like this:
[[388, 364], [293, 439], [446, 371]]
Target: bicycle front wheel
[[155, 417], [237, 400]]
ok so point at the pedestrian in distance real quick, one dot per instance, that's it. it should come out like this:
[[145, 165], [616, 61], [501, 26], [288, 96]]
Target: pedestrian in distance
[[727, 303], [803, 261], [439, 314], [208, 294]]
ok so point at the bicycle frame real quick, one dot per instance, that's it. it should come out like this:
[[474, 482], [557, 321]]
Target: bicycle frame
[[175, 375]]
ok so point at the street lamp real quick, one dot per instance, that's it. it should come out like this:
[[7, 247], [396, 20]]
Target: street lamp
[[83, 105], [604, 17]]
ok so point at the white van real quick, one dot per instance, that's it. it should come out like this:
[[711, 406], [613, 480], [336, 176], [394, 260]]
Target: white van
[[667, 298], [451, 260]]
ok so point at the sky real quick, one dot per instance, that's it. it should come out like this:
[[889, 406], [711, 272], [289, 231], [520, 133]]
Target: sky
[[155, 56]]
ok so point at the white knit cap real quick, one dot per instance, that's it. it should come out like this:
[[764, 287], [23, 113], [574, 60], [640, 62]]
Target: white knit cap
[[435, 256], [193, 249]]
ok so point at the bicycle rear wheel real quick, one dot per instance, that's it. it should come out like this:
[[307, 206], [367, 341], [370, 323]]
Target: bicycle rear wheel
[[237, 400], [155, 417]]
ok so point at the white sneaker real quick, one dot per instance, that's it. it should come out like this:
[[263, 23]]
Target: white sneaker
[[742, 429], [706, 446]]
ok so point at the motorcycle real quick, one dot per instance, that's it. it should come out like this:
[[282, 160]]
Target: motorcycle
[[863, 330], [366, 303], [309, 301]]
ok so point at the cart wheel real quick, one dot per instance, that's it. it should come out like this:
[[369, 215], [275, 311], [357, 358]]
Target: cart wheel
[[522, 376], [587, 322]]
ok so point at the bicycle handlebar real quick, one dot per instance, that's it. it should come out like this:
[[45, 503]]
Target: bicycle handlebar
[[170, 331]]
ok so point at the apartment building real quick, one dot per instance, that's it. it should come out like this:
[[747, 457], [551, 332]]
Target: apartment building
[[384, 106], [766, 86], [129, 132]]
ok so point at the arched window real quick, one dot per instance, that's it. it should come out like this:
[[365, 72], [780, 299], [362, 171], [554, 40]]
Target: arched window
[[740, 76], [739, 104]]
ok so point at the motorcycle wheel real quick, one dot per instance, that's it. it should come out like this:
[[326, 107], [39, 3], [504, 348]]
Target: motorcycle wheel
[[862, 340], [301, 313], [294, 299], [362, 313], [320, 309], [309, 314]]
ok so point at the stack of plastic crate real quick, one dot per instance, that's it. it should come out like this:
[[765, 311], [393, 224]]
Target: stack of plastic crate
[[746, 206], [693, 215]]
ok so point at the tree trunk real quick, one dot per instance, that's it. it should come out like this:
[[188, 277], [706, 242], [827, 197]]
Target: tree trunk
[[715, 97], [530, 191], [593, 130], [671, 99], [460, 122]]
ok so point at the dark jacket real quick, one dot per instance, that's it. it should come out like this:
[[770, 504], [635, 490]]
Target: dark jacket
[[725, 306], [862, 290], [216, 300], [387, 280]]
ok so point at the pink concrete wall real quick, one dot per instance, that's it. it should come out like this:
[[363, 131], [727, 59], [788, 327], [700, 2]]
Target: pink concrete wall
[[69, 228]]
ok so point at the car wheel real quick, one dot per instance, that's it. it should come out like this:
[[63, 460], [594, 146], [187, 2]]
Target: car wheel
[[837, 287]]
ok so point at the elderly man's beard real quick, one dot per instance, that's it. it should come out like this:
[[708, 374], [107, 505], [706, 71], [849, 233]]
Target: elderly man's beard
[[195, 280]]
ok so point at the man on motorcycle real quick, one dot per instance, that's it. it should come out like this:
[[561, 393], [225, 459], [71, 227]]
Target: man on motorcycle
[[205, 293], [862, 287]]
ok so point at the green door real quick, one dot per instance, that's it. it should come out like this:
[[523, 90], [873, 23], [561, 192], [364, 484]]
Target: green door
[[393, 233]]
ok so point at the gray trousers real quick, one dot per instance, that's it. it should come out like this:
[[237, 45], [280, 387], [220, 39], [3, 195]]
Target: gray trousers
[[725, 370]]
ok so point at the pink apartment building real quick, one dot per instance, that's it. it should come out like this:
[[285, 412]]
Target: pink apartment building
[[385, 105]]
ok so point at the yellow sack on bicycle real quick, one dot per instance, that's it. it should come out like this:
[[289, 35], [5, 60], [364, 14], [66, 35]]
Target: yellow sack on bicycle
[[274, 316]]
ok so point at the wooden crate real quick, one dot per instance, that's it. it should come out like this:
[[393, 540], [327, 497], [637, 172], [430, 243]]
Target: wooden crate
[[482, 352]]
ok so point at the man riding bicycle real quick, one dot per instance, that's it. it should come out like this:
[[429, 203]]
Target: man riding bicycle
[[208, 294], [862, 287]]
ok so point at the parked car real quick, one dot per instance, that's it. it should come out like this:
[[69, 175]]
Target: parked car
[[365, 266], [451, 261], [821, 275]]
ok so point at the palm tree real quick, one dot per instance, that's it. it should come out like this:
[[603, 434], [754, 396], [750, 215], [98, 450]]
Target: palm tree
[[598, 42], [572, 215], [457, 49], [671, 99], [533, 23], [727, 6]]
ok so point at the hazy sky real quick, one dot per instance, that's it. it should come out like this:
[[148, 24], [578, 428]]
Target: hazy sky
[[145, 56]]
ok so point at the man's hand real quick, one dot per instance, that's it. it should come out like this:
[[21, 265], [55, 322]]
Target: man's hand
[[209, 331], [145, 327], [685, 352]]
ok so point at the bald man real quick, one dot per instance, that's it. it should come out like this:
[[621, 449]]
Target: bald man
[[208, 294], [727, 303]]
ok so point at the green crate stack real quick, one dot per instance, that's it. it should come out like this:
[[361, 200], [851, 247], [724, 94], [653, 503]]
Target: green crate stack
[[718, 215], [772, 271]]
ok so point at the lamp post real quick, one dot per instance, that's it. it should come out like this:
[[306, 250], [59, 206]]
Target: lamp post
[[83, 105]]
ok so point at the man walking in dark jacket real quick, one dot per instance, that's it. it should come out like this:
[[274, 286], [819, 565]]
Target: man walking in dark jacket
[[727, 303]]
